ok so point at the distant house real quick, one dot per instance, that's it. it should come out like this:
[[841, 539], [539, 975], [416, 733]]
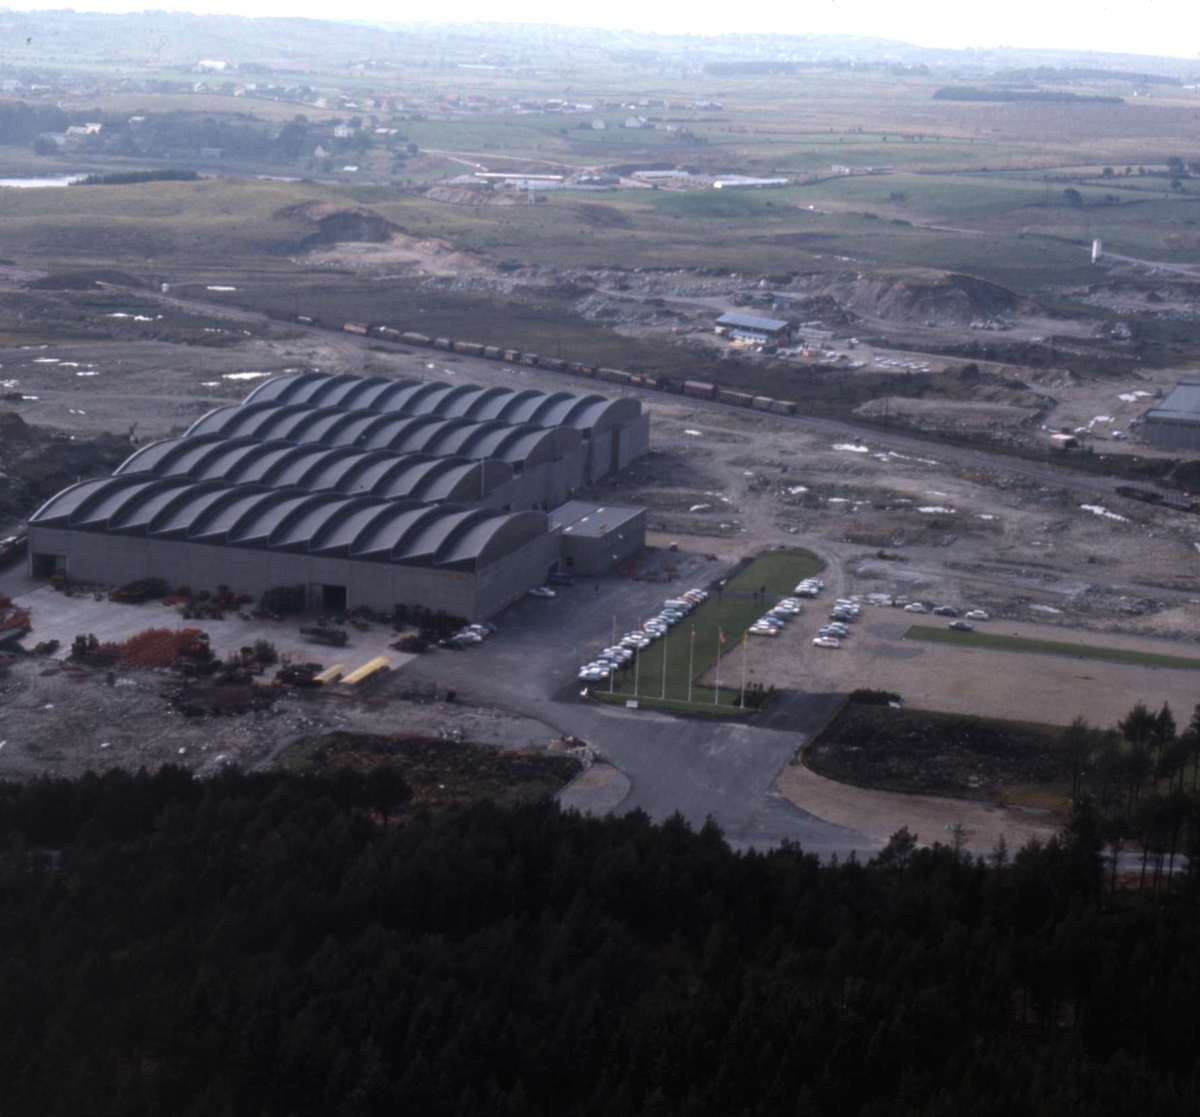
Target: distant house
[[344, 131], [320, 152], [599, 125], [744, 183], [635, 122], [350, 169], [750, 327], [59, 138], [85, 129], [210, 66], [11, 85]]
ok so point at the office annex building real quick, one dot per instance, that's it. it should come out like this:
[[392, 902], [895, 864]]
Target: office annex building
[[367, 491]]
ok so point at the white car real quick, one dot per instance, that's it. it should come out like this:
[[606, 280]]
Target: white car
[[827, 642], [762, 630], [977, 615], [915, 607], [589, 675], [541, 591]]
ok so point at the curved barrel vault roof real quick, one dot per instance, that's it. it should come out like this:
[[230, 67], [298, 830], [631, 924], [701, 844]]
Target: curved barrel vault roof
[[367, 527]]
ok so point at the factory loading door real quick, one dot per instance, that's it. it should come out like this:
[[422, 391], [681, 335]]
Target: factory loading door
[[326, 597]]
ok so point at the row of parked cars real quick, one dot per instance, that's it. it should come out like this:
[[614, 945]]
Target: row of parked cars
[[960, 625], [622, 653], [843, 614], [467, 637]]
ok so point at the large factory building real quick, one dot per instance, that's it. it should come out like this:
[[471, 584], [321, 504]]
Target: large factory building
[[365, 491], [1174, 424]]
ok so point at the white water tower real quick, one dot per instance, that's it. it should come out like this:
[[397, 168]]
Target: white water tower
[[1096, 249]]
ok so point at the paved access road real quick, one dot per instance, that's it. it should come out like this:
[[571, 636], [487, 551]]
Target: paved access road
[[697, 767]]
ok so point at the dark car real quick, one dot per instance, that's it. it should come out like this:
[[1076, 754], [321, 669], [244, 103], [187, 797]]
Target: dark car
[[945, 611], [961, 626]]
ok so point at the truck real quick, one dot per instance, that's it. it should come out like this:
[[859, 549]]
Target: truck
[[321, 634]]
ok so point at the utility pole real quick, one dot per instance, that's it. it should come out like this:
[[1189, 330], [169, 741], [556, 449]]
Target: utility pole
[[691, 661], [663, 689]]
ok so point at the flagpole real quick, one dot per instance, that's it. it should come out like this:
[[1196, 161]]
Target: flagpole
[[745, 640], [637, 663], [663, 693], [691, 661], [717, 692]]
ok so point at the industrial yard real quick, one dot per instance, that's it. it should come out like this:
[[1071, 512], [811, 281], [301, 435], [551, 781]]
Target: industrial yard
[[542, 365]]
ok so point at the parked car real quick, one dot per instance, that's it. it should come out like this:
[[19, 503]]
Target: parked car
[[961, 626], [945, 611], [827, 642], [541, 591], [774, 622], [977, 615], [915, 607], [762, 630]]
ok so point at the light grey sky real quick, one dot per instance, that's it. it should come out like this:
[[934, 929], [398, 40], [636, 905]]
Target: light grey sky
[[1163, 27]]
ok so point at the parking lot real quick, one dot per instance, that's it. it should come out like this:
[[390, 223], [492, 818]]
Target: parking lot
[[701, 768], [983, 681]]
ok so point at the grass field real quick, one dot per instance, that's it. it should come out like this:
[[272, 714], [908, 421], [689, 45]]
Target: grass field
[[778, 571], [1048, 647], [731, 615]]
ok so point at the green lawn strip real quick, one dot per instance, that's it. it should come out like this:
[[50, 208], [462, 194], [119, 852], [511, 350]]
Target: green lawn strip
[[733, 615], [1048, 647], [779, 571], [701, 704]]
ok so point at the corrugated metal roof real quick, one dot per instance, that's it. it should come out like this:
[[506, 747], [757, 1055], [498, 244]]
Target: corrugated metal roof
[[751, 322], [1182, 404]]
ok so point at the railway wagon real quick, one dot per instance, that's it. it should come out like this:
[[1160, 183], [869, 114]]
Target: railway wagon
[[529, 359], [306, 319], [635, 378], [442, 343], [359, 328], [651, 382], [738, 399], [699, 390], [783, 406], [512, 356], [387, 333], [762, 403], [493, 352], [612, 375], [470, 348], [554, 364], [414, 338]]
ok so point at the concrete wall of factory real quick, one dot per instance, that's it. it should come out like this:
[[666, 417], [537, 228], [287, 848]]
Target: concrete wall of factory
[[613, 448], [117, 559], [1171, 436]]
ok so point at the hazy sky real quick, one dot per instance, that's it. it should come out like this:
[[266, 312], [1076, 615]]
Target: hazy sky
[[1166, 27]]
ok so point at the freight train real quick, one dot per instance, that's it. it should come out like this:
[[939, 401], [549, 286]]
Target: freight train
[[696, 389]]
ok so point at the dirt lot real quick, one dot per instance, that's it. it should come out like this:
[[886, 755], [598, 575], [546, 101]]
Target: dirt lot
[[918, 522], [60, 722]]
